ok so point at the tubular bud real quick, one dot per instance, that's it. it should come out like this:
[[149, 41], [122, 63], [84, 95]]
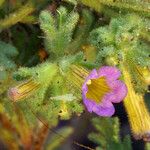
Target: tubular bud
[[137, 111], [23, 90]]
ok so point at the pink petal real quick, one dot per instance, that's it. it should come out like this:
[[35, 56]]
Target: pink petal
[[89, 104], [119, 92], [111, 73], [105, 109], [93, 74]]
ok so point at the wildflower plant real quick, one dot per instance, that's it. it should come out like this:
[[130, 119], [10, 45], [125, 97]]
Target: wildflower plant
[[67, 59]]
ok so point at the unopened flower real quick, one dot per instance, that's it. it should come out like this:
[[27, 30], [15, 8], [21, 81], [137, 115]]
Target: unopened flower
[[102, 88], [139, 117], [23, 90]]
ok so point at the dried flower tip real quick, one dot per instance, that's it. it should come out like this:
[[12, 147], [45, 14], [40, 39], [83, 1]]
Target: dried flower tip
[[42, 54], [23, 90]]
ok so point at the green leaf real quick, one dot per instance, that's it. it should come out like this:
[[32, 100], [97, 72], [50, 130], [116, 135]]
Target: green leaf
[[107, 135], [58, 30], [57, 139], [7, 53]]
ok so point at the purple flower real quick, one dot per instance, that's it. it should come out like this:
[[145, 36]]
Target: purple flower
[[102, 88]]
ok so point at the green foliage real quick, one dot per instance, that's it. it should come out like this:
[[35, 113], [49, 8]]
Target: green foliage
[[8, 52], [59, 37], [57, 139], [112, 8], [147, 146], [53, 78], [77, 59], [52, 83], [19, 11], [58, 31], [56, 96], [1, 2], [120, 42], [107, 135], [17, 131], [73, 2], [82, 31], [17, 16], [28, 44], [7, 64]]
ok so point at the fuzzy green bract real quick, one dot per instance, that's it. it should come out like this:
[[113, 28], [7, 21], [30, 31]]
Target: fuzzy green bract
[[58, 31]]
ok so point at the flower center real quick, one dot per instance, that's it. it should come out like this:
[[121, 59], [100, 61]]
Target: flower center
[[97, 88]]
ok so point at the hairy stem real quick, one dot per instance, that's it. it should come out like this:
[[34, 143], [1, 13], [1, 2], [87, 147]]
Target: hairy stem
[[17, 16]]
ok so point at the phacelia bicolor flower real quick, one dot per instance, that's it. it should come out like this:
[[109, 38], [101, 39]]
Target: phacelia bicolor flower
[[102, 88]]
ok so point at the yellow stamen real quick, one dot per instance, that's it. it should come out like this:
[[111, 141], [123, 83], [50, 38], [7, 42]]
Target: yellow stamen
[[138, 114], [89, 82], [97, 88]]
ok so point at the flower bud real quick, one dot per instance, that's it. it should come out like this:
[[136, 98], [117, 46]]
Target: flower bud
[[23, 90], [137, 111]]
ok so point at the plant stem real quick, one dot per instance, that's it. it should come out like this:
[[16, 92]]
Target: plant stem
[[17, 16]]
